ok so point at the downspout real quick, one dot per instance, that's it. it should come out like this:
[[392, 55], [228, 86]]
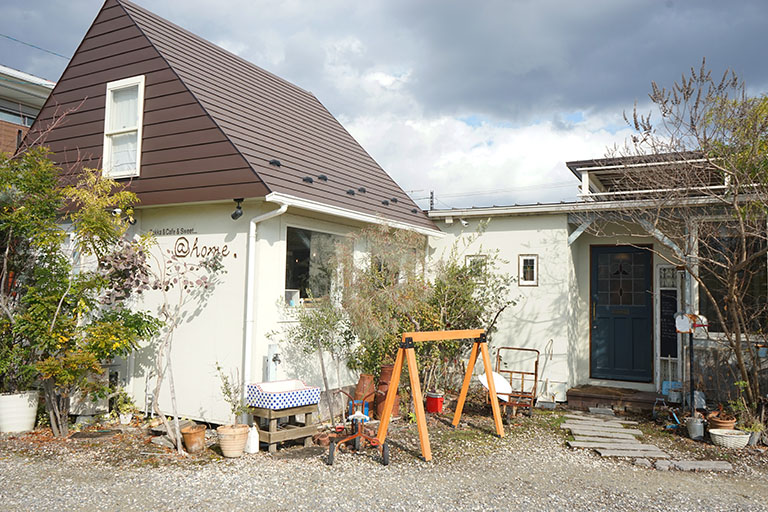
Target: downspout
[[250, 282]]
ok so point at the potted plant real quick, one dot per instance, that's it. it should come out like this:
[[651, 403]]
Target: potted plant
[[124, 406], [232, 438], [719, 419], [18, 396]]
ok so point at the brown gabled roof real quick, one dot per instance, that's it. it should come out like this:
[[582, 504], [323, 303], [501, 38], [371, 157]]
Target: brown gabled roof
[[215, 108]]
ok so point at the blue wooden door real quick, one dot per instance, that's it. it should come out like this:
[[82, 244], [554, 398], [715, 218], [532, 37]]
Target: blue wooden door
[[620, 314]]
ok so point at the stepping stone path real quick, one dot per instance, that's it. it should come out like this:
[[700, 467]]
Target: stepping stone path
[[609, 436], [614, 437]]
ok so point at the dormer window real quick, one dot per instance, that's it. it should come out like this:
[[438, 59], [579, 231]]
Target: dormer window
[[124, 113]]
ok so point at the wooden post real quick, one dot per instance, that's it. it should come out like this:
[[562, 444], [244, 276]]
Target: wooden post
[[421, 417], [465, 385], [389, 402], [491, 387]]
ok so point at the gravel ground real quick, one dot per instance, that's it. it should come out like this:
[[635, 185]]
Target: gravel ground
[[529, 469]]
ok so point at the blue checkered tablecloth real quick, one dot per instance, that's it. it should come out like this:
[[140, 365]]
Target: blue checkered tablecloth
[[258, 397]]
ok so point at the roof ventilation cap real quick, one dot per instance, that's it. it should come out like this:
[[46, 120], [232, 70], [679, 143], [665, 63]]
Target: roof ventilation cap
[[361, 190], [323, 177], [385, 202], [351, 191], [393, 200], [414, 210], [307, 179], [275, 162]]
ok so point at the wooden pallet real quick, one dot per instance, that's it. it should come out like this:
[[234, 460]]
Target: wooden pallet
[[289, 431]]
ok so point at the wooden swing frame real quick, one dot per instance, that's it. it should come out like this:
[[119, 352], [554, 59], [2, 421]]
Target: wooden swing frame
[[406, 352]]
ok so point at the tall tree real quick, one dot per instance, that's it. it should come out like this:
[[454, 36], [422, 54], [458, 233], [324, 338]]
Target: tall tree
[[695, 177]]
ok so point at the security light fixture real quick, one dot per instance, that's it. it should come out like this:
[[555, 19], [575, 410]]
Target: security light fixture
[[464, 223], [238, 209]]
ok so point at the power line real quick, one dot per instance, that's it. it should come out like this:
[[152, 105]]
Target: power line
[[34, 46], [498, 191]]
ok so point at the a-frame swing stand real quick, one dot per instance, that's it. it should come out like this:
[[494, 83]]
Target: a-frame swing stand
[[406, 352]]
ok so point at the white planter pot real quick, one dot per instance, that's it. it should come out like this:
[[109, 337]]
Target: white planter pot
[[125, 419], [18, 411]]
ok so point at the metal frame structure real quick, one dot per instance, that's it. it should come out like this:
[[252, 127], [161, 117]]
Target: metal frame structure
[[406, 352], [519, 398]]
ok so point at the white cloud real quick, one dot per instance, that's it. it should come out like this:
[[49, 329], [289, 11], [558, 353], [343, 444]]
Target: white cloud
[[484, 164]]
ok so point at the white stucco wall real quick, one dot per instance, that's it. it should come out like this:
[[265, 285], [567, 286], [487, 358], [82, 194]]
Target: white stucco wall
[[214, 331], [552, 317], [540, 319]]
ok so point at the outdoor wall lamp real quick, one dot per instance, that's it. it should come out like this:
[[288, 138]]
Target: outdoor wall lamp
[[238, 209]]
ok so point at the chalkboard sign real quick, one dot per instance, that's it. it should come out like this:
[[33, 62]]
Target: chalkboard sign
[[667, 323]]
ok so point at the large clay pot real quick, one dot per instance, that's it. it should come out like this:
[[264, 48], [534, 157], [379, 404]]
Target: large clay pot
[[18, 411], [232, 439], [386, 373], [194, 438], [364, 387], [381, 392]]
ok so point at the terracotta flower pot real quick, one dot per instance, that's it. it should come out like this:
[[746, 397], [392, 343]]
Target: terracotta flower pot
[[232, 439], [714, 421], [194, 438]]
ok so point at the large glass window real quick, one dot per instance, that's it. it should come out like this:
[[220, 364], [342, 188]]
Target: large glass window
[[122, 127], [717, 254], [309, 263]]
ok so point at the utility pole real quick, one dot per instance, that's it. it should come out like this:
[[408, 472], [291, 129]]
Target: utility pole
[[431, 199]]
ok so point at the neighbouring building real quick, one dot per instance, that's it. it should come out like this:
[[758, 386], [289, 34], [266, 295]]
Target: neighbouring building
[[21, 97]]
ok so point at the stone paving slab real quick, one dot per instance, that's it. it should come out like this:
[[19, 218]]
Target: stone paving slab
[[600, 433], [702, 465], [597, 419], [632, 453], [614, 445], [607, 430], [605, 411], [590, 417], [598, 439], [595, 424]]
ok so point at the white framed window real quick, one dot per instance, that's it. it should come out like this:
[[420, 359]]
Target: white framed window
[[528, 270], [123, 119]]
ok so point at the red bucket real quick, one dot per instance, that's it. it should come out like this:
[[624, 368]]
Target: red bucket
[[435, 402]]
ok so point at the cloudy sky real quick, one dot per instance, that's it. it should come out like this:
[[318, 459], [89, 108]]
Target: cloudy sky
[[481, 102]]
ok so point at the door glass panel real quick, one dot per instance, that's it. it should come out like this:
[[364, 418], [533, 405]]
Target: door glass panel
[[621, 279]]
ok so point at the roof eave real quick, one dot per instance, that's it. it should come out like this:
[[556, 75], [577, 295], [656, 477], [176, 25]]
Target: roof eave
[[316, 206]]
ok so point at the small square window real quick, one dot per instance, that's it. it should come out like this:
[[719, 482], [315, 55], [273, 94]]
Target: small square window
[[123, 118], [528, 270]]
